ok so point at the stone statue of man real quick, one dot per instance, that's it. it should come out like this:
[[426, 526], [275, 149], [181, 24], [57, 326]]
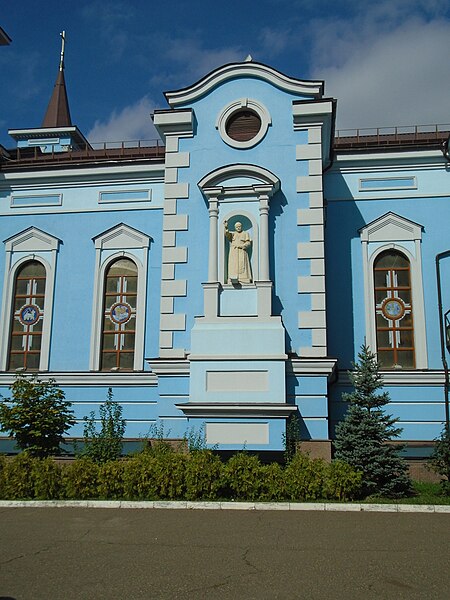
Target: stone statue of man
[[239, 268]]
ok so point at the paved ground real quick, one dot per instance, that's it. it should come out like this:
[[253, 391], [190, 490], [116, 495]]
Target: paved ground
[[74, 553]]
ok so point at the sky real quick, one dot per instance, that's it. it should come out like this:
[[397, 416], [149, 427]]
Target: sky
[[386, 62]]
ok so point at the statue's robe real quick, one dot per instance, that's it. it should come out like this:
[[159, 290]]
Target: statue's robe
[[238, 260]]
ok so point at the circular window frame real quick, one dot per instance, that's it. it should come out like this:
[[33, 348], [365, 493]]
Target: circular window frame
[[235, 107]]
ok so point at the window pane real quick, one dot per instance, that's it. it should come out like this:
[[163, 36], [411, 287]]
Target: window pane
[[32, 269], [128, 341], [131, 284], [108, 361], [126, 360], [112, 284], [386, 359], [108, 341], [403, 278], [381, 320], [380, 279], [391, 259], [406, 359], [379, 297], [383, 339], [406, 339], [17, 342], [405, 295], [33, 361], [124, 266], [16, 361]]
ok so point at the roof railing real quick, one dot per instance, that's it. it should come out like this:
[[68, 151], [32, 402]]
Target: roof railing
[[396, 133]]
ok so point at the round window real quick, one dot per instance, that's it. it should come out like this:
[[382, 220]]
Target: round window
[[243, 125]]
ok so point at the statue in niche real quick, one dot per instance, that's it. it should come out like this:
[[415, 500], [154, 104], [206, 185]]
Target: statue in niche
[[239, 269]]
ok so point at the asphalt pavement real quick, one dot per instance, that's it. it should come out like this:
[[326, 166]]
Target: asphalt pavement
[[84, 553]]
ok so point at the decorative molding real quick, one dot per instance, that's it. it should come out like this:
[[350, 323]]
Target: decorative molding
[[245, 69], [405, 377], [110, 379], [312, 366], [236, 410]]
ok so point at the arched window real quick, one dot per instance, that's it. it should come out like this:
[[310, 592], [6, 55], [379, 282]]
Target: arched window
[[394, 311], [27, 317], [119, 315]]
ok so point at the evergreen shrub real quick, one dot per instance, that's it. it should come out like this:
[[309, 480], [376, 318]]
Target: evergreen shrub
[[242, 477], [363, 437], [440, 460], [204, 478]]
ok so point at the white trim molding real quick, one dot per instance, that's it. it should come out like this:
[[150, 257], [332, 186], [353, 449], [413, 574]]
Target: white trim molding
[[31, 244], [121, 241], [393, 232], [236, 410], [235, 107], [245, 69]]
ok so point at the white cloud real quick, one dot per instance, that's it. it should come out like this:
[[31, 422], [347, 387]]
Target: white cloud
[[130, 123], [386, 72]]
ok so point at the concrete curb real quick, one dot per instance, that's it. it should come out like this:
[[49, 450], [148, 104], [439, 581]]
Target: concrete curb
[[187, 505]]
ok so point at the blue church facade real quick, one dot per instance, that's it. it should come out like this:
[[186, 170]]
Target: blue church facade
[[223, 280]]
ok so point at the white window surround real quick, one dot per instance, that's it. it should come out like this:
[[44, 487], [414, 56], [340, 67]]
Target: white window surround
[[119, 242], [31, 244], [390, 232], [236, 106]]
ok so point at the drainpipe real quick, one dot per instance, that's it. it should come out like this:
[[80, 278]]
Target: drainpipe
[[442, 335]]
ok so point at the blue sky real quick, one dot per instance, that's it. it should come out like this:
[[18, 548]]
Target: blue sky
[[386, 62]]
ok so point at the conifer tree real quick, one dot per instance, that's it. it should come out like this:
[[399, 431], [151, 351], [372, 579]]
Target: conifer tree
[[362, 438]]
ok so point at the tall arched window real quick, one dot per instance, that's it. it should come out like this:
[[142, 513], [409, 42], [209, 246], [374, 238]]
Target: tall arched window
[[119, 315], [27, 317], [394, 311]]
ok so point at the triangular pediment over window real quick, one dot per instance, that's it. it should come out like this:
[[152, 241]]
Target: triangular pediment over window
[[391, 228], [32, 240], [121, 237]]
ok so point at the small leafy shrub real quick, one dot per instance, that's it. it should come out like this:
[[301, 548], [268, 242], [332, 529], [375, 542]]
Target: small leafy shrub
[[169, 475], [304, 477], [37, 415], [292, 437], [81, 479], [203, 475], [111, 480], [342, 482], [47, 479], [18, 481], [272, 484], [242, 476], [440, 460], [104, 445]]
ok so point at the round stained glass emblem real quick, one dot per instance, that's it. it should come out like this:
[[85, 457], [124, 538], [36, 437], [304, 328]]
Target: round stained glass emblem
[[120, 312], [29, 314], [393, 308]]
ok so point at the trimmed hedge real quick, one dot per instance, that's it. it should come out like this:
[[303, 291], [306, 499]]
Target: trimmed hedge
[[161, 474]]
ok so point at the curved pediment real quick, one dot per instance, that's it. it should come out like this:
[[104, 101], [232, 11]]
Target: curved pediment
[[239, 179], [246, 69]]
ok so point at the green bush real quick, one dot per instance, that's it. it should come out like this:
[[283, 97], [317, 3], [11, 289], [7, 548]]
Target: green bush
[[111, 479], [106, 444], [272, 484], [37, 415], [18, 481], [47, 479], [342, 482], [440, 460], [203, 475], [242, 476], [81, 479], [304, 478]]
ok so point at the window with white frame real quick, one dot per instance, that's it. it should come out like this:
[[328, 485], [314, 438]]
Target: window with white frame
[[27, 302], [119, 315], [120, 284], [393, 289]]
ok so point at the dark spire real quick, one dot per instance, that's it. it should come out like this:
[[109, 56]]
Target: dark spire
[[58, 113]]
